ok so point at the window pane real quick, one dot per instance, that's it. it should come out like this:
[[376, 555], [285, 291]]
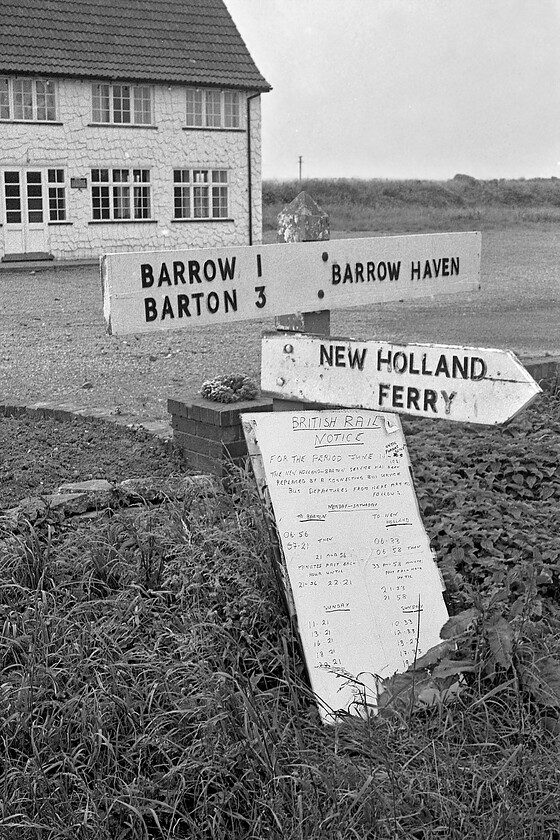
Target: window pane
[[181, 176], [34, 197], [56, 176], [23, 99], [141, 176], [194, 107], [100, 104], [201, 209], [200, 176], [231, 109], [219, 202], [13, 200], [57, 204], [100, 202], [182, 202], [50, 100], [121, 202], [99, 174], [213, 108], [121, 103], [45, 100], [142, 105], [141, 202], [219, 176], [4, 99]]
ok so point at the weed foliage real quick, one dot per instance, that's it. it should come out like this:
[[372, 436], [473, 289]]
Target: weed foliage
[[151, 686]]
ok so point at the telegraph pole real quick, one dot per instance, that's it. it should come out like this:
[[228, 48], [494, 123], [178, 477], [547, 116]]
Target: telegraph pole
[[300, 162]]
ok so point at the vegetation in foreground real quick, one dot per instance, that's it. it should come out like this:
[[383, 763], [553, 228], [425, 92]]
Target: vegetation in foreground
[[151, 686], [410, 206]]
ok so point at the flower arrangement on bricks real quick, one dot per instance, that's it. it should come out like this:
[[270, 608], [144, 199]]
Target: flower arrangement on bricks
[[229, 389]]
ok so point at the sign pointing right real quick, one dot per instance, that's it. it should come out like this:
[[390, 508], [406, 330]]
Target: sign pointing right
[[465, 384]]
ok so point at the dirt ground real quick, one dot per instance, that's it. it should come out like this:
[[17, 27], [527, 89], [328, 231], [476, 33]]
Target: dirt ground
[[53, 346], [40, 454]]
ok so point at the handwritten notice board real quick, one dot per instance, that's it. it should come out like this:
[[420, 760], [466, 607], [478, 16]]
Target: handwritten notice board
[[357, 560]]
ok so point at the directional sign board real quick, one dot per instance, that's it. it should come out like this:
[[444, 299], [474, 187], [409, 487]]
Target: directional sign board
[[366, 590], [466, 384], [147, 292]]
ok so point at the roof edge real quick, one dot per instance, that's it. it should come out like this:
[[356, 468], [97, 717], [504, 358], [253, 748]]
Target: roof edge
[[264, 87]]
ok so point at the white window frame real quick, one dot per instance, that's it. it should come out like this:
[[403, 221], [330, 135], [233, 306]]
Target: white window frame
[[25, 99], [122, 104], [56, 194], [121, 195], [211, 108], [200, 193]]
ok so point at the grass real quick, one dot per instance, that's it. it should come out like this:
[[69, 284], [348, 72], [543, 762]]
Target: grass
[[381, 206], [151, 685]]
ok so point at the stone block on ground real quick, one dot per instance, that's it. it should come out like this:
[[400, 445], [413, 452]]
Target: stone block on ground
[[93, 485], [302, 220], [134, 490]]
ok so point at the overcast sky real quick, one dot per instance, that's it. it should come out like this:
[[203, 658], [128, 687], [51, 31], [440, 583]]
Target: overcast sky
[[407, 88]]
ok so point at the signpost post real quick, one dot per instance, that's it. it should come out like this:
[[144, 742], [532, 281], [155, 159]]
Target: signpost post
[[302, 220], [466, 384]]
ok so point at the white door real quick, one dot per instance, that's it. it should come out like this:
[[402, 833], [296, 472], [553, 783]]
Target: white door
[[25, 229]]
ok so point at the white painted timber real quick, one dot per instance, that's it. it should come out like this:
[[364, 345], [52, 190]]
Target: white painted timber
[[467, 384], [162, 290]]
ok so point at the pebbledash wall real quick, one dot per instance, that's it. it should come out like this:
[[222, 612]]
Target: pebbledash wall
[[76, 146]]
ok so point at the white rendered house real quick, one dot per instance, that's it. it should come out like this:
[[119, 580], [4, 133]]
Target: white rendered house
[[126, 125]]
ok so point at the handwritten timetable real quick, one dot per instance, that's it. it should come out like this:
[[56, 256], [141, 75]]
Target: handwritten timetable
[[363, 580]]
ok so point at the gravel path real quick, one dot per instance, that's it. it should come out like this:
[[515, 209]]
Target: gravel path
[[54, 347]]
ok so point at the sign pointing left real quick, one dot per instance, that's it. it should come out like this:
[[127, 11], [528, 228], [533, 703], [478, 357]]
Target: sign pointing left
[[164, 290], [466, 384]]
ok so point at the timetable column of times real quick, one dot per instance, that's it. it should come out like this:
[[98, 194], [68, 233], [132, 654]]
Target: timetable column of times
[[401, 578], [334, 610]]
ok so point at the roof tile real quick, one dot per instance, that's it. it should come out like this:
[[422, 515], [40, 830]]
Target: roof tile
[[167, 41]]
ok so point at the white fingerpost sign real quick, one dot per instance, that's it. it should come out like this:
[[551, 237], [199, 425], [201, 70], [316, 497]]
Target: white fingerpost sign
[[466, 384], [147, 292]]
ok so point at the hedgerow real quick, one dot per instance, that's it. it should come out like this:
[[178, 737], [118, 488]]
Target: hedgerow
[[379, 205]]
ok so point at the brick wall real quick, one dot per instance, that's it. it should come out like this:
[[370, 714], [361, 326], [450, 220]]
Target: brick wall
[[210, 434]]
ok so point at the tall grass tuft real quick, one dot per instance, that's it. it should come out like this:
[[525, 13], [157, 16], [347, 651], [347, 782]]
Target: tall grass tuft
[[151, 687]]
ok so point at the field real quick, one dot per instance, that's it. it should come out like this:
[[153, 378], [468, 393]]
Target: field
[[389, 207], [151, 687]]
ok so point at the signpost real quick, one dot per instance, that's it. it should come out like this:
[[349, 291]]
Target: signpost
[[466, 384], [355, 560], [147, 292]]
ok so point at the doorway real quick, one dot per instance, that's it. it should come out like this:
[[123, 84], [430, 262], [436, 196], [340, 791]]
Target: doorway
[[25, 228]]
